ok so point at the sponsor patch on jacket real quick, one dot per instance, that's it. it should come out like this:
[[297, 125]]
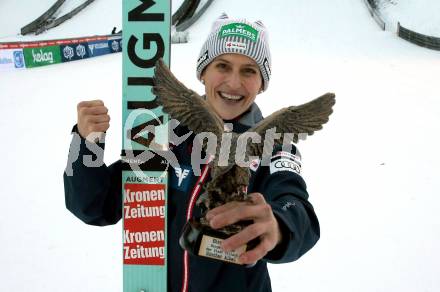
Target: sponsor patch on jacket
[[285, 164], [254, 164], [288, 155], [181, 177], [285, 161]]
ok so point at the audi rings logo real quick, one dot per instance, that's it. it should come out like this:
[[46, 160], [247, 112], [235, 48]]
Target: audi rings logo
[[287, 164]]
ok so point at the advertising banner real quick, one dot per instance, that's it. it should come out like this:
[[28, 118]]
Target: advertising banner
[[115, 44], [144, 224], [74, 52], [18, 55], [11, 59], [98, 48], [36, 57], [147, 29]]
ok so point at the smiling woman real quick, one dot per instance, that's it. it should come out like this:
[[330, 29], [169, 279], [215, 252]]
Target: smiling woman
[[232, 82], [234, 65]]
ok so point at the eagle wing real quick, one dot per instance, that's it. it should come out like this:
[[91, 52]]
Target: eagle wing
[[298, 120], [184, 104]]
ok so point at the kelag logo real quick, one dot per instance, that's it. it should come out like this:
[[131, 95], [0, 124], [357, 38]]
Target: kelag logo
[[98, 48], [36, 57], [74, 52]]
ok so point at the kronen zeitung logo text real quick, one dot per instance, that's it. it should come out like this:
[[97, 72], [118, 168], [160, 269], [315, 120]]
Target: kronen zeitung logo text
[[40, 56], [239, 29]]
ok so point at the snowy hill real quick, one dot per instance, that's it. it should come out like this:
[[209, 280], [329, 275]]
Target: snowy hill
[[372, 173], [420, 16]]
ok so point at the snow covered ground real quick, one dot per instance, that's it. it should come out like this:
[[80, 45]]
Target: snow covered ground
[[372, 173]]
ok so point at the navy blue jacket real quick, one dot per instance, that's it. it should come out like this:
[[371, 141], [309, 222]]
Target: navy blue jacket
[[93, 194]]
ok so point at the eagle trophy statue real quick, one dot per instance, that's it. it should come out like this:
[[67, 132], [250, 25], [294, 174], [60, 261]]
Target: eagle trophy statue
[[229, 182]]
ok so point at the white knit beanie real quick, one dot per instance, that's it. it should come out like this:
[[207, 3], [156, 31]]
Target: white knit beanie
[[237, 36]]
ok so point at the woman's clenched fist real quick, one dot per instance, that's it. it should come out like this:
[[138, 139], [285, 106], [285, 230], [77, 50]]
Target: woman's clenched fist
[[93, 119]]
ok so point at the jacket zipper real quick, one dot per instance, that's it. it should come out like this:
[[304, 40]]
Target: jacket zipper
[[194, 195]]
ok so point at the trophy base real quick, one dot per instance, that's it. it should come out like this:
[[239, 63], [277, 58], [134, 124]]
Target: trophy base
[[201, 240]]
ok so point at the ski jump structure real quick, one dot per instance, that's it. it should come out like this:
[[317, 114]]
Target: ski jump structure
[[416, 38], [185, 16]]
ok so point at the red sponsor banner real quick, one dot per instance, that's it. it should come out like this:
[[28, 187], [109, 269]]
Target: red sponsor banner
[[144, 224]]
